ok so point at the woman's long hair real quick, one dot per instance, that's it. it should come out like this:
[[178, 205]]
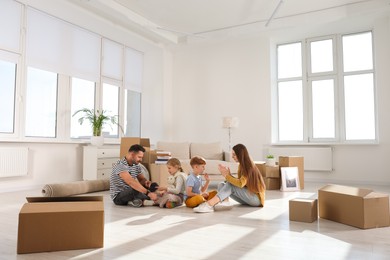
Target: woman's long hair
[[248, 169]]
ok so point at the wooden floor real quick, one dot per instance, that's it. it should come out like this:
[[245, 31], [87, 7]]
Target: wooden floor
[[242, 233]]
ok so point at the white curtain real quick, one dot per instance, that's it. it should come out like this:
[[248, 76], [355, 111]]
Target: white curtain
[[10, 26], [133, 70], [58, 46]]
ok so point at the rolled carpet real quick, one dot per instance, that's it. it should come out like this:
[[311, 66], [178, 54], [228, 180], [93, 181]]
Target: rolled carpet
[[74, 188]]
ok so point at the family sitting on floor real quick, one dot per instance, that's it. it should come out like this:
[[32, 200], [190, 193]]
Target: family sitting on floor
[[128, 186]]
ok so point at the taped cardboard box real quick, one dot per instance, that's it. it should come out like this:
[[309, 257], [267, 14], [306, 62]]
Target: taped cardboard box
[[272, 183], [353, 206], [60, 223], [303, 210], [269, 171], [294, 161]]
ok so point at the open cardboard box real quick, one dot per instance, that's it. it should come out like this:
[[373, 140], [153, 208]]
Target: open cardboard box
[[60, 223], [353, 206]]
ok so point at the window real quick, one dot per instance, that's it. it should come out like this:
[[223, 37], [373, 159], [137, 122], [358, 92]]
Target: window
[[319, 100], [83, 96], [41, 103], [7, 97], [43, 83], [132, 122], [359, 87], [111, 105], [290, 110]]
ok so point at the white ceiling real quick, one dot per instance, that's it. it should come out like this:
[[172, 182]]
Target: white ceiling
[[170, 20]]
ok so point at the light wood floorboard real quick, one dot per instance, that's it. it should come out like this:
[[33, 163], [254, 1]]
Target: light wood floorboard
[[241, 233]]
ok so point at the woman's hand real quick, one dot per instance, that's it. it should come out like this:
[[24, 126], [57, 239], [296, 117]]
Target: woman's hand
[[224, 170]]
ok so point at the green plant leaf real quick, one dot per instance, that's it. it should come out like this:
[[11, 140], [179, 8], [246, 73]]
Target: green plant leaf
[[97, 119]]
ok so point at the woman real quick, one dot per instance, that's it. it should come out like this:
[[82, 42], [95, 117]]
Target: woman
[[248, 188]]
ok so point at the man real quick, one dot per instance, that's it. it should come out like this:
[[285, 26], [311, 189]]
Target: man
[[128, 186]]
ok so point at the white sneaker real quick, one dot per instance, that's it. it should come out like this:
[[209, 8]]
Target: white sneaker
[[204, 208], [148, 203], [135, 203], [224, 205]]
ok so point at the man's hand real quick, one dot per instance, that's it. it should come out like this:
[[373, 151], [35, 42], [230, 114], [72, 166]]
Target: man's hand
[[147, 184], [152, 196]]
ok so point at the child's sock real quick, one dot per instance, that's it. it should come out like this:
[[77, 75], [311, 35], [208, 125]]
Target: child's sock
[[170, 204]]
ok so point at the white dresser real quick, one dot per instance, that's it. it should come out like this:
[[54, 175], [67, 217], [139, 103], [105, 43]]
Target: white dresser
[[98, 160]]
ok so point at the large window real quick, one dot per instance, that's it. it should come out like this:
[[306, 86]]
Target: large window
[[41, 103], [132, 117], [359, 89], [326, 90], [7, 97], [43, 83], [83, 96], [111, 106]]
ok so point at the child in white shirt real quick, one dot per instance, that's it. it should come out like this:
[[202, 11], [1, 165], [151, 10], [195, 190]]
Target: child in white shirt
[[173, 194]]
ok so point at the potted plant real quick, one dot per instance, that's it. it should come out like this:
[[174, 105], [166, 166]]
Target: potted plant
[[98, 119], [270, 160]]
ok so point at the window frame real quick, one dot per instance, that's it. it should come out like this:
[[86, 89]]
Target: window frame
[[308, 77], [63, 105], [16, 59]]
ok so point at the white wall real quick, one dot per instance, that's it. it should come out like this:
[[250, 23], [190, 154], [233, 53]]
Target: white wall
[[232, 77], [216, 80], [47, 163]]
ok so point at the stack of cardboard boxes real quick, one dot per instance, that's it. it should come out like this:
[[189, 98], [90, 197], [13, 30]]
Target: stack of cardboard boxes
[[294, 161], [271, 175], [149, 156]]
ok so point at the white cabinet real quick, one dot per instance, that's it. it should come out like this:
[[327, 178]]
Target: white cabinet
[[98, 160]]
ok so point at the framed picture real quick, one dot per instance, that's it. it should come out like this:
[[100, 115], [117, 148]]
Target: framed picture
[[290, 179]]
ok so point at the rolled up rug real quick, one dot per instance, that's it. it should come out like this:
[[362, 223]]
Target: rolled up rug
[[75, 188]]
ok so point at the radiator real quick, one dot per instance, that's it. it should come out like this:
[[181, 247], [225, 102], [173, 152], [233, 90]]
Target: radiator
[[13, 161], [315, 158]]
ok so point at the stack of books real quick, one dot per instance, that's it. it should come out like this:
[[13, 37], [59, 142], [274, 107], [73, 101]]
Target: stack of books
[[162, 157]]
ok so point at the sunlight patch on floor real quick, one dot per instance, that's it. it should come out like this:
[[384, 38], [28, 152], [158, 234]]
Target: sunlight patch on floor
[[134, 228], [282, 245], [195, 242], [269, 214], [275, 207]]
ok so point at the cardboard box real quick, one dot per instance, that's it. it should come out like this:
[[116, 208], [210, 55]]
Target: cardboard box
[[294, 161], [126, 142], [159, 173], [353, 206], [268, 171], [272, 183], [149, 156], [303, 210], [60, 223]]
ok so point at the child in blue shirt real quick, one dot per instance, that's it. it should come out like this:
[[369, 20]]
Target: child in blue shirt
[[196, 193]]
